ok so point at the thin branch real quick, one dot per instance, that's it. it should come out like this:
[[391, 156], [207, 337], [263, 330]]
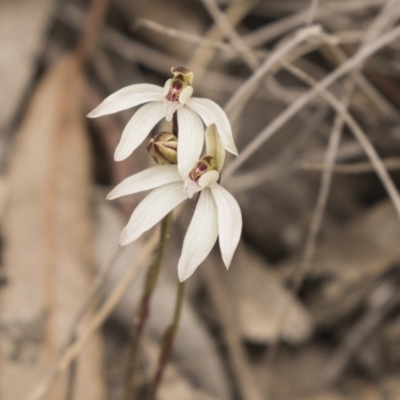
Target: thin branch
[[182, 35], [284, 166], [319, 89], [202, 56], [312, 12], [273, 30], [324, 190], [373, 31], [392, 164], [237, 42], [276, 29], [244, 93]]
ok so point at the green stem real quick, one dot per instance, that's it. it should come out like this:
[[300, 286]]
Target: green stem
[[144, 309], [168, 342], [175, 124]]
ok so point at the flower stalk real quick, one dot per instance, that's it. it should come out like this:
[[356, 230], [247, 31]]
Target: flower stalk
[[144, 309], [168, 342]]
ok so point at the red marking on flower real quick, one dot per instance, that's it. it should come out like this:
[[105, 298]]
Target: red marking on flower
[[201, 167], [174, 90], [197, 172], [176, 85]]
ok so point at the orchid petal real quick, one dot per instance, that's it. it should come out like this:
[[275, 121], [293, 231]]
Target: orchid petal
[[229, 222], [170, 108], [200, 236], [186, 94], [145, 180], [152, 209], [214, 147], [211, 113], [191, 140], [166, 87], [128, 97], [208, 178], [138, 128]]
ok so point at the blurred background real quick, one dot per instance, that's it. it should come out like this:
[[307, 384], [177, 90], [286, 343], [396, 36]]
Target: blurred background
[[310, 309]]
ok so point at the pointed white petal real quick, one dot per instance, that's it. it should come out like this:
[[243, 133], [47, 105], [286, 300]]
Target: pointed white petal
[[138, 128], [190, 141], [214, 147], [208, 179], [146, 180], [200, 236], [186, 94], [152, 209], [128, 97], [212, 113], [229, 222], [170, 108]]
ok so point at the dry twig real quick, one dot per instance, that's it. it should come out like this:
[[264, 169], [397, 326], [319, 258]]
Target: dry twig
[[391, 164]]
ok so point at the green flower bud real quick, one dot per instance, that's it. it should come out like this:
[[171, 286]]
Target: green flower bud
[[163, 148]]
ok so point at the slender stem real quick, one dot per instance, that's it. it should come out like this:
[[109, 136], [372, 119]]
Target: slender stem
[[144, 309], [168, 342], [175, 124]]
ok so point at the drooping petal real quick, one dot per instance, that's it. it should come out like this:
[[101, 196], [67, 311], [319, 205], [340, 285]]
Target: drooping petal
[[190, 141], [229, 222], [200, 236], [170, 107], [152, 209], [146, 180], [211, 113], [128, 97], [138, 128], [214, 147]]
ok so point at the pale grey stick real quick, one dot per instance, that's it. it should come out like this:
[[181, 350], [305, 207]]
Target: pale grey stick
[[392, 164], [312, 12]]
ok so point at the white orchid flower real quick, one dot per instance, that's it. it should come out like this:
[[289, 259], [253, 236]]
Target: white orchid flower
[[163, 102], [217, 212]]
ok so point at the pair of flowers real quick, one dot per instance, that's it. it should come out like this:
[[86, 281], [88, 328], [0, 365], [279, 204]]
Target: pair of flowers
[[217, 212]]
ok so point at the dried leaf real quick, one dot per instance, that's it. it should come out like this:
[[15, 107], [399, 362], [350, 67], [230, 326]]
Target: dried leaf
[[267, 310], [353, 258], [48, 235]]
